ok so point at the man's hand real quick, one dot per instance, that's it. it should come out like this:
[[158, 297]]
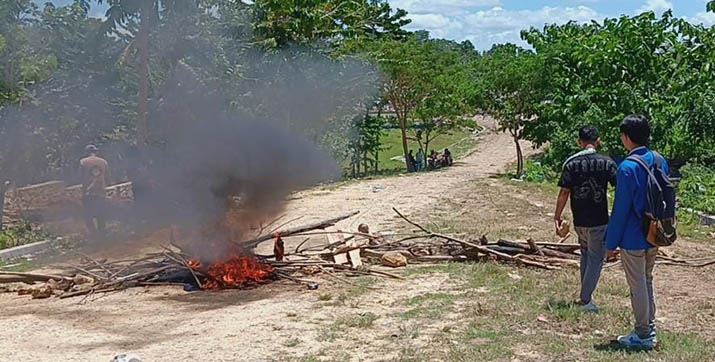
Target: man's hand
[[612, 255], [557, 223]]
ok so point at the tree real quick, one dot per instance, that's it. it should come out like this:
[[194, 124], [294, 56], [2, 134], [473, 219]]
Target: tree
[[511, 83], [60, 102], [450, 86], [15, 50], [124, 13], [598, 73], [279, 23], [367, 146]]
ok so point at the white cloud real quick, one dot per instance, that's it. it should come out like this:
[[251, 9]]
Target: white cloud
[[657, 6], [444, 7], [438, 25], [487, 26], [705, 18]]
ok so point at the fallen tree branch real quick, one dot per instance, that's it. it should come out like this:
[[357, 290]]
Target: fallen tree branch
[[480, 248], [32, 277], [297, 230]]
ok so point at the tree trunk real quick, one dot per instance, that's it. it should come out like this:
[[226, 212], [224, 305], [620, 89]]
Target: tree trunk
[[10, 75], [2, 201], [427, 142], [519, 156], [377, 161], [143, 50], [377, 150], [365, 166], [405, 149]]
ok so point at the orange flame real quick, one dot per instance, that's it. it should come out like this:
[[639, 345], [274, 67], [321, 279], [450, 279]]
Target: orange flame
[[236, 272]]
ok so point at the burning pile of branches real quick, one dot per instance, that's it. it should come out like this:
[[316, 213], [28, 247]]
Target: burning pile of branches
[[170, 267], [342, 257]]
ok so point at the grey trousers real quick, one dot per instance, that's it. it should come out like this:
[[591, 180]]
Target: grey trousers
[[593, 253], [638, 265]]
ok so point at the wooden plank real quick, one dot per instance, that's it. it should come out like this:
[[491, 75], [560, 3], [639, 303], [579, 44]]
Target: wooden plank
[[341, 258], [354, 255]]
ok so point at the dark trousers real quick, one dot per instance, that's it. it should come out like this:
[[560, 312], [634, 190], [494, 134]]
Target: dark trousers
[[94, 210]]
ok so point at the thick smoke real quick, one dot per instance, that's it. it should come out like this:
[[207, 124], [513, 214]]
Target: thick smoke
[[213, 158], [222, 156]]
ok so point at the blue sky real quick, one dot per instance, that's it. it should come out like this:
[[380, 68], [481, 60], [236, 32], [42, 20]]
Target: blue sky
[[486, 22]]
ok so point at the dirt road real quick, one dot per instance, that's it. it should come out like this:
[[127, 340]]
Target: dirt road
[[167, 324], [410, 192]]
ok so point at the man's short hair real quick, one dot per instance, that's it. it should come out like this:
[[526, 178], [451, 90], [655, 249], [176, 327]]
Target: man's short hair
[[637, 128], [91, 148], [588, 134]]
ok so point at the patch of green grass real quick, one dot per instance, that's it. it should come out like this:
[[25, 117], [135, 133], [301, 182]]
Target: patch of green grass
[[482, 332], [325, 297], [362, 320], [353, 293], [421, 270], [410, 331], [392, 147], [689, 226], [412, 353], [292, 342], [430, 306], [327, 334], [18, 265], [342, 324], [309, 359], [21, 234]]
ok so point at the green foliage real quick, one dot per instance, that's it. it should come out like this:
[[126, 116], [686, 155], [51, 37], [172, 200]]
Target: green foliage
[[62, 65], [391, 143], [366, 147], [428, 84], [21, 234], [334, 22], [537, 172], [72, 80], [598, 73], [512, 88], [697, 188]]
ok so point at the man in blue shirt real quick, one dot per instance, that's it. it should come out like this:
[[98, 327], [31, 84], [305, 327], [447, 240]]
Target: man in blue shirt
[[625, 231]]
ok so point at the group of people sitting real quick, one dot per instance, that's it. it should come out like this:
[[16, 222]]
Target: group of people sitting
[[434, 160]]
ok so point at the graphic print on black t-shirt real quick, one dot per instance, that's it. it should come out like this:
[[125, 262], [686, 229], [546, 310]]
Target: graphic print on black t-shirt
[[587, 176]]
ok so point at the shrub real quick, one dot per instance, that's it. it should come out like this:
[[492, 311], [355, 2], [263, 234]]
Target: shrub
[[697, 188], [21, 234], [537, 172]]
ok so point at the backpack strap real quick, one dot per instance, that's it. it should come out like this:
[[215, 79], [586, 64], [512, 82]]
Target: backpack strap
[[639, 160], [659, 159]]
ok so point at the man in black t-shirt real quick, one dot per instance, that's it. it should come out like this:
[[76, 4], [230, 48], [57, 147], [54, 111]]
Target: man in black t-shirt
[[585, 180]]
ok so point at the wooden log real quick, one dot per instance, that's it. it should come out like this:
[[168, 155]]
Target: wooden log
[[480, 248], [297, 230], [534, 247], [417, 258], [506, 249], [565, 248], [558, 254], [551, 260], [512, 244], [32, 277]]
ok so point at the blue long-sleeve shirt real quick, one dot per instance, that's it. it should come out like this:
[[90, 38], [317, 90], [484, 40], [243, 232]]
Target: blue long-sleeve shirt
[[625, 230]]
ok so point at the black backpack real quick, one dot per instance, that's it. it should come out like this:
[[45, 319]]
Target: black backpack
[[659, 222]]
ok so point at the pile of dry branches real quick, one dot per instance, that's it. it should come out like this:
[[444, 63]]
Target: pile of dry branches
[[342, 257]]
